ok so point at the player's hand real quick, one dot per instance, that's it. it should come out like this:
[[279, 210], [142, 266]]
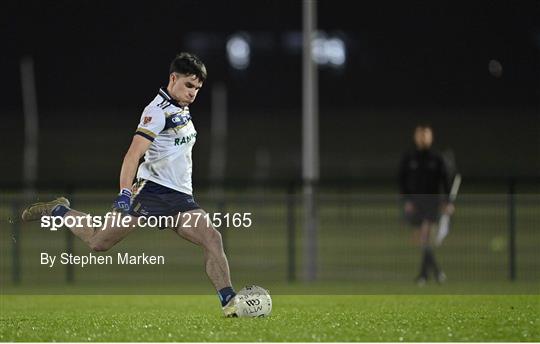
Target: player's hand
[[122, 203], [449, 209], [409, 207]]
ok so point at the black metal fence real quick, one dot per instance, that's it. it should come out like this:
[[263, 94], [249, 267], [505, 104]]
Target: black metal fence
[[362, 238]]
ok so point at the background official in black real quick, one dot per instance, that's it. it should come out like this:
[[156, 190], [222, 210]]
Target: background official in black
[[424, 185]]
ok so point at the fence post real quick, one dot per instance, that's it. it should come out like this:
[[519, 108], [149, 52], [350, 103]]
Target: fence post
[[16, 247], [70, 272], [512, 229], [291, 234]]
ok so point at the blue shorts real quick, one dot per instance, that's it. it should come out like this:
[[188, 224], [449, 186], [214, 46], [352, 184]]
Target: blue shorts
[[152, 199]]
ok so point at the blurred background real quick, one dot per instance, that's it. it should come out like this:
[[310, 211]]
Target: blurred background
[[471, 70]]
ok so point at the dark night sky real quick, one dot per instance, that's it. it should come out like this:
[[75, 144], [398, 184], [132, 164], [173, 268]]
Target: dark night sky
[[96, 54], [99, 63]]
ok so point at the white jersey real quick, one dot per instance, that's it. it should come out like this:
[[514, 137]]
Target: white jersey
[[168, 159]]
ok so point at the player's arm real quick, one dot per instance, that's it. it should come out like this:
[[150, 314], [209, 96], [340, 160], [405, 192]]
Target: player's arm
[[152, 123], [403, 186], [402, 176], [139, 146]]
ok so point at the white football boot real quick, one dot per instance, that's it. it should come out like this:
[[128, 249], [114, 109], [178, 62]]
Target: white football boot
[[231, 308]]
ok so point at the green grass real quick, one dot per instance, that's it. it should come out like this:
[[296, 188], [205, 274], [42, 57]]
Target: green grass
[[294, 318], [364, 250]]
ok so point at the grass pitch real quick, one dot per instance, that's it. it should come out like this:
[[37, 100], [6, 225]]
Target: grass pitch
[[149, 318]]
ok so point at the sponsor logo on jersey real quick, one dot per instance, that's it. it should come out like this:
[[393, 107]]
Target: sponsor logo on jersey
[[177, 120], [185, 139]]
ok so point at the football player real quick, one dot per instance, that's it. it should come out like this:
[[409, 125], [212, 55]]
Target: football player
[[165, 136]]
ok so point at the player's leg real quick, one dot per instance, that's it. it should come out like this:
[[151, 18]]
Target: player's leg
[[425, 228], [415, 216], [433, 266], [433, 216], [99, 238], [196, 228], [429, 263], [423, 240], [103, 237]]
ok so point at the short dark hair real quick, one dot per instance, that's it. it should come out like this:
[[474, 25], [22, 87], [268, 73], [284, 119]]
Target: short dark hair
[[188, 64], [423, 125]]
